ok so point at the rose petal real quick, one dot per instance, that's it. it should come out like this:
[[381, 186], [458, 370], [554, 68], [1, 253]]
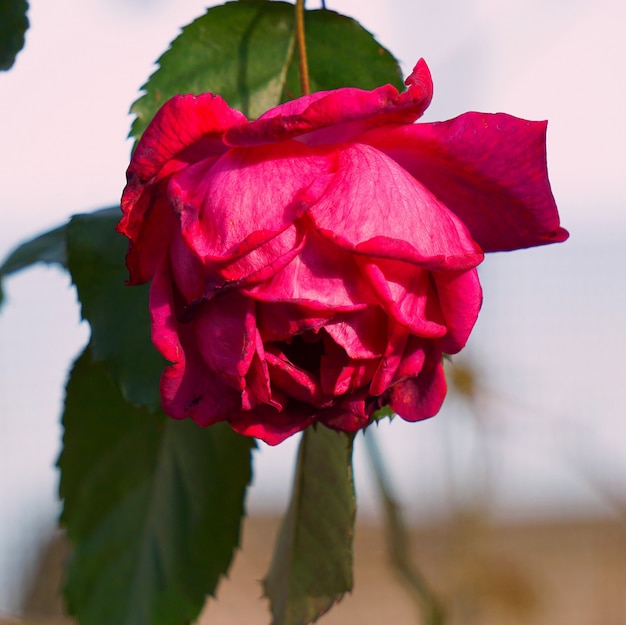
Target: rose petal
[[460, 297], [279, 321], [180, 123], [225, 335], [257, 390], [420, 398], [273, 426], [414, 357], [407, 294], [150, 231], [389, 363], [334, 377], [247, 196], [186, 269], [163, 315], [340, 375], [344, 112], [292, 380], [362, 334], [321, 277], [351, 414], [388, 214], [265, 261], [186, 129], [254, 266], [490, 170], [188, 387]]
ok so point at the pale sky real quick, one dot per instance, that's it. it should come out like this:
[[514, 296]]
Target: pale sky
[[64, 121]]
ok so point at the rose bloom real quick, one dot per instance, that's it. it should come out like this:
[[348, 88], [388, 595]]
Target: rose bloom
[[315, 264]]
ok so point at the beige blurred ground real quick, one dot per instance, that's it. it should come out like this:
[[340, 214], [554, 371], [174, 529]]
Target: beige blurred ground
[[566, 573]]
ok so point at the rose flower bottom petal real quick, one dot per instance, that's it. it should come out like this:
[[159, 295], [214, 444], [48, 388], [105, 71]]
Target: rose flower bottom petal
[[315, 264]]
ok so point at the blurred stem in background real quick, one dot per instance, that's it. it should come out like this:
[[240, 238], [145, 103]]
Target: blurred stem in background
[[398, 540]]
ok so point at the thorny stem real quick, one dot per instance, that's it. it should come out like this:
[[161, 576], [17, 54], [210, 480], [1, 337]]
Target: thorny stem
[[398, 542], [300, 37]]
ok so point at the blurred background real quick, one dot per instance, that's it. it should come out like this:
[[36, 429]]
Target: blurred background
[[533, 435]]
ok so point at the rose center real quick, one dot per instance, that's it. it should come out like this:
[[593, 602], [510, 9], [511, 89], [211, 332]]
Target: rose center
[[304, 351]]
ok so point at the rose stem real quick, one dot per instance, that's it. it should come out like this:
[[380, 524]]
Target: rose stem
[[304, 65]]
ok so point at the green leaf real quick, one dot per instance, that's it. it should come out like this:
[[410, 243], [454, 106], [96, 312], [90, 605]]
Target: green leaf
[[383, 413], [153, 506], [48, 248], [13, 27], [94, 253], [245, 51], [239, 50], [118, 314], [312, 564]]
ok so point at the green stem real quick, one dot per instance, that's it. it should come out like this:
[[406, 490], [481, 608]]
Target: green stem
[[398, 541], [301, 39]]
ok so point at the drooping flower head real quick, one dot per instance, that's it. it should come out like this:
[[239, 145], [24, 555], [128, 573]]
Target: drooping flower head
[[316, 263]]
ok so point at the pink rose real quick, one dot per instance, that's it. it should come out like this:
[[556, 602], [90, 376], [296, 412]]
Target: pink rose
[[315, 264]]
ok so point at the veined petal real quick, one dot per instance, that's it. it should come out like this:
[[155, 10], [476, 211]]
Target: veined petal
[[247, 196], [321, 277], [489, 170], [266, 260], [256, 264], [186, 129], [344, 112], [179, 124], [373, 206]]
